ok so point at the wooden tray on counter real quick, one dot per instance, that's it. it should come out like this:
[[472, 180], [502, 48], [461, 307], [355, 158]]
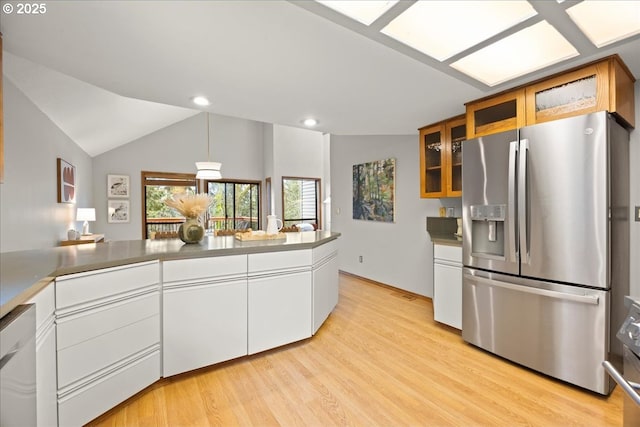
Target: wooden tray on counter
[[249, 235]]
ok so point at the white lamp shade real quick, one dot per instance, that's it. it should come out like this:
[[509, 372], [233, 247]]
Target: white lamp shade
[[86, 214], [208, 170]]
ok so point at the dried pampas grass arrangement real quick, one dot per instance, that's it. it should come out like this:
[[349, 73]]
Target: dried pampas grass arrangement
[[189, 205]]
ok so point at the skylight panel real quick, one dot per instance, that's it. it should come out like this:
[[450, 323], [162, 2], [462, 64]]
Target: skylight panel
[[442, 29], [362, 11], [606, 22], [526, 51]]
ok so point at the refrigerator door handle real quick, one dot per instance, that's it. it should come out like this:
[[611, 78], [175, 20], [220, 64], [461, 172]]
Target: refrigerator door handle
[[511, 201], [523, 211], [585, 299]]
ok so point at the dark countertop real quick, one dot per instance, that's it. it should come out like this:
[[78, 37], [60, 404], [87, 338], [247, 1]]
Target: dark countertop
[[442, 231], [24, 273]]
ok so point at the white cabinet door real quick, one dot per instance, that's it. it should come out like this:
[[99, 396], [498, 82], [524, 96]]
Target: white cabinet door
[[204, 325], [47, 404], [204, 312], [325, 289], [279, 310], [447, 294]]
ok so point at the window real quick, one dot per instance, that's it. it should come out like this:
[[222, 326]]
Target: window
[[159, 220], [300, 201], [236, 205]]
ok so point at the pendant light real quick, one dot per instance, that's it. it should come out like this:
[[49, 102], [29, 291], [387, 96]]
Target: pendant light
[[208, 169]]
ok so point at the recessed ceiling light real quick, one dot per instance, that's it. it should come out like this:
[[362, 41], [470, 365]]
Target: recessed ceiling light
[[528, 50], [310, 122], [606, 22], [200, 100], [363, 11], [442, 29]]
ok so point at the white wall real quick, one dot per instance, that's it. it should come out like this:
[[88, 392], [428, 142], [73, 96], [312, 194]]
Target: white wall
[[296, 152], [399, 254], [634, 200], [31, 217], [236, 143]]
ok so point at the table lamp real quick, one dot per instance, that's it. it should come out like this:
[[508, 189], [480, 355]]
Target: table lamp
[[86, 215]]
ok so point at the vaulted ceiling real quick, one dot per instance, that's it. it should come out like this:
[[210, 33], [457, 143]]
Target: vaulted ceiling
[[108, 72]]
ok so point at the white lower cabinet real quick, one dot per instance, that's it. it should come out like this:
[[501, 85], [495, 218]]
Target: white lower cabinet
[[108, 338], [46, 392], [447, 285], [325, 282], [204, 312], [103, 335], [279, 299]]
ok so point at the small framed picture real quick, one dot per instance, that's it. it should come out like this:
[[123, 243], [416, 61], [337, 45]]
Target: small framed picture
[[66, 182], [117, 211], [117, 185]]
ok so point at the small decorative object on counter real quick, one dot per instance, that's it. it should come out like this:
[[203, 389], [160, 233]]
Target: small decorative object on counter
[[192, 206], [274, 224], [73, 234]]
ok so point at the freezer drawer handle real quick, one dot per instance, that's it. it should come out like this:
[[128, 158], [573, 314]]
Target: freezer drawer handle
[[587, 299], [628, 387]]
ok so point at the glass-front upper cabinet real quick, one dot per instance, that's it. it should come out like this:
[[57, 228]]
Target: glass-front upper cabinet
[[605, 85], [456, 131], [432, 161], [441, 158], [496, 114]]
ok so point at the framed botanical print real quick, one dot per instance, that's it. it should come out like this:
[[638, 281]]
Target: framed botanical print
[[66, 182], [117, 211], [117, 185]]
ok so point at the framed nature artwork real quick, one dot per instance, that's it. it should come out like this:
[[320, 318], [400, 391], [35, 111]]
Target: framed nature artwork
[[117, 185], [117, 211], [66, 182], [374, 191]]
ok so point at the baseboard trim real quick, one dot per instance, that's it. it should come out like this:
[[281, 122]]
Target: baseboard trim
[[384, 285]]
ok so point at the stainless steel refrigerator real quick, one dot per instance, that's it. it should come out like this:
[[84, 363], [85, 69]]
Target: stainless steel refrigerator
[[546, 246]]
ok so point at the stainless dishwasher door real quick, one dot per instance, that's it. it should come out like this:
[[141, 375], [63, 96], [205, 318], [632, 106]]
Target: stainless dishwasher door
[[18, 367]]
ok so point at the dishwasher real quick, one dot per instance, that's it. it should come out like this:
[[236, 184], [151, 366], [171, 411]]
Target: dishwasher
[[629, 334], [18, 367]]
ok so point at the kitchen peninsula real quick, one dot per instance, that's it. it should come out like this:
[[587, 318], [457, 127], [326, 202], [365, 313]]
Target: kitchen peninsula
[[127, 313]]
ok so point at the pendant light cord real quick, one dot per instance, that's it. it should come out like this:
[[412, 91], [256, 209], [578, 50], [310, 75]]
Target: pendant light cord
[[208, 140]]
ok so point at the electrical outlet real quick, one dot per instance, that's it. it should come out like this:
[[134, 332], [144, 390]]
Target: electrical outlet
[[360, 258], [637, 214]]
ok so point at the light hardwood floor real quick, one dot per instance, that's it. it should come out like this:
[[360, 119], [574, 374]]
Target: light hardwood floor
[[379, 360]]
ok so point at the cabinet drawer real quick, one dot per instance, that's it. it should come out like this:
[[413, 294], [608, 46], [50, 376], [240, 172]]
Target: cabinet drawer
[[324, 251], [76, 328], [81, 360], [199, 268], [279, 260], [448, 253], [83, 287], [81, 406]]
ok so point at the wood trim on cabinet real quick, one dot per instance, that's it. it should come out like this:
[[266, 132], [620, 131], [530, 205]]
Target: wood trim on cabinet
[[621, 91]]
